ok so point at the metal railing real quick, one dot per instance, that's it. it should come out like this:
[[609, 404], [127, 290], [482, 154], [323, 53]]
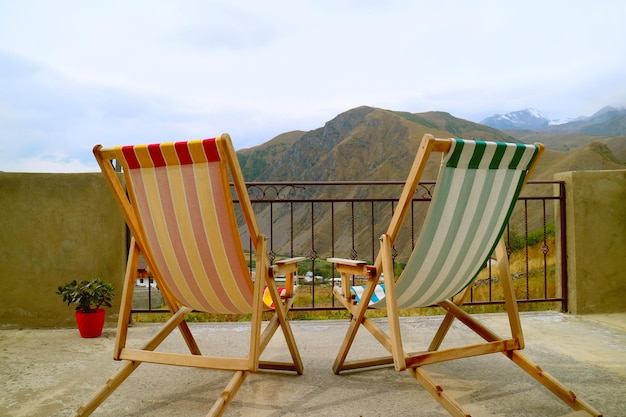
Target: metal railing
[[345, 219]]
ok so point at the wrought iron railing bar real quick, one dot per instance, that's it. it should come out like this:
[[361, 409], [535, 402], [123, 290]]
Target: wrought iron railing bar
[[291, 236], [372, 223], [282, 192], [526, 249], [326, 183], [313, 253], [333, 271], [545, 249], [335, 200]]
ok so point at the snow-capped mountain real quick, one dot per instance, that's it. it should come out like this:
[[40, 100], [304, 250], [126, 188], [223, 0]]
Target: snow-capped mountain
[[556, 122], [609, 109], [608, 121], [522, 119]]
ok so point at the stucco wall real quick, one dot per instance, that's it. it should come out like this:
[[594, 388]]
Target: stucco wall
[[59, 227], [596, 240], [55, 228]]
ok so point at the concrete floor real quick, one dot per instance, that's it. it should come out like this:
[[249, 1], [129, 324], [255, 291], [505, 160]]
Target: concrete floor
[[51, 372]]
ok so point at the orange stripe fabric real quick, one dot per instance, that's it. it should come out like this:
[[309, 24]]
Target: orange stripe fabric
[[182, 196]]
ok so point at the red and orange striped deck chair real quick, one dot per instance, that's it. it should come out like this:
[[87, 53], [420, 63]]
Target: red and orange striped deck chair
[[179, 208]]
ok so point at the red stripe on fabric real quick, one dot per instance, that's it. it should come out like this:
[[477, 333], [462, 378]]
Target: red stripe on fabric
[[182, 150], [176, 238], [195, 215], [157, 157], [232, 247], [141, 198], [131, 158], [210, 150], [227, 225], [202, 237]]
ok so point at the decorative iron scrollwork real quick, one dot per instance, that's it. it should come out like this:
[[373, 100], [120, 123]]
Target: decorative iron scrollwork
[[425, 190], [272, 192]]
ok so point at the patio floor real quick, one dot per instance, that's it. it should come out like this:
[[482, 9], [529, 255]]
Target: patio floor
[[50, 372]]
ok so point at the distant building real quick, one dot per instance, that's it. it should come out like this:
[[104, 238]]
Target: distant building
[[144, 279]]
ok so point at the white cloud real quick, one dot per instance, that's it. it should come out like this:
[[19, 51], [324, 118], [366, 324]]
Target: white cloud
[[76, 73]]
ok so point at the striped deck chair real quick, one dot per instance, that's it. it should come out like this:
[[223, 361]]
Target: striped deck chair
[[476, 190], [180, 212]]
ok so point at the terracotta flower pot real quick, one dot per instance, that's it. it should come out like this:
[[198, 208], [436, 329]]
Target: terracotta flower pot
[[90, 324]]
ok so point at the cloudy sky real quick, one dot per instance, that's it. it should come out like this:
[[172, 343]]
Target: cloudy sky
[[77, 73]]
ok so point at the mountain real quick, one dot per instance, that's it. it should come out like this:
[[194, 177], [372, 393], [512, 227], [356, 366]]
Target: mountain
[[364, 143], [254, 161], [359, 144], [531, 126], [373, 144], [367, 143], [529, 119], [609, 121]]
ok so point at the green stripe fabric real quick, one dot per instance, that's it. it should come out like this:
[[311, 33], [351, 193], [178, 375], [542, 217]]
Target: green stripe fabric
[[476, 190]]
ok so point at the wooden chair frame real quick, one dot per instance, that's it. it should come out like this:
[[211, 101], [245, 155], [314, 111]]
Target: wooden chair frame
[[265, 274], [392, 340]]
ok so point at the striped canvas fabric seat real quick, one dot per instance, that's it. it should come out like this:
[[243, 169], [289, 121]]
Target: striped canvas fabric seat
[[180, 191], [178, 205], [477, 187], [378, 296], [476, 190]]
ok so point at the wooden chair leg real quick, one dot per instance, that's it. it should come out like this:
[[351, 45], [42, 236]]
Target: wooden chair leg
[[447, 322], [552, 384], [567, 396], [107, 389], [345, 346], [266, 336], [394, 338], [127, 298], [228, 394], [119, 377], [580, 413], [438, 393], [509, 293], [289, 338], [357, 312]]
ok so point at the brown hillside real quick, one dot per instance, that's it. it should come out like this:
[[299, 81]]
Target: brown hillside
[[617, 145], [256, 160], [595, 156], [365, 143], [368, 143]]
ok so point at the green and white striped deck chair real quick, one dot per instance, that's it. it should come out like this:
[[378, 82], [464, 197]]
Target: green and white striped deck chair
[[476, 190], [179, 209]]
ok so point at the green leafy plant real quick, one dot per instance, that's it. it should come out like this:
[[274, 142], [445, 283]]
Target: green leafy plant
[[87, 295]]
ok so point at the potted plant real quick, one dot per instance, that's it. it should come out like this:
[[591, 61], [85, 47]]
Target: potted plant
[[88, 296]]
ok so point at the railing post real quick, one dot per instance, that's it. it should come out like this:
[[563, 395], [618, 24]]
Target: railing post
[[563, 246]]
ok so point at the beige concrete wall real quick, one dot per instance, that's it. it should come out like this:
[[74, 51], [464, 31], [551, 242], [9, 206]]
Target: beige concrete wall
[[59, 227], [596, 240], [55, 228]]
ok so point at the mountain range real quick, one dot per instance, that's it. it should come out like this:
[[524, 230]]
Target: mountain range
[[531, 119], [367, 143]]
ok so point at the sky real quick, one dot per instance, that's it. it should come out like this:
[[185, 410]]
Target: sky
[[78, 73]]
